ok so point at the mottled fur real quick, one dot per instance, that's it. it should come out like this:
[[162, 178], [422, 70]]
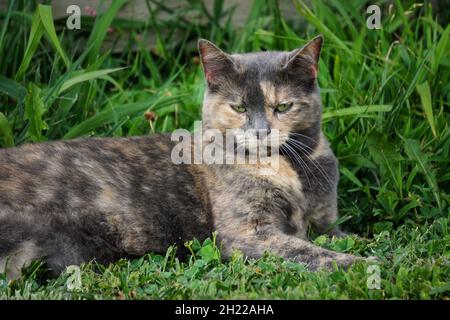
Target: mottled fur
[[100, 199], [68, 202]]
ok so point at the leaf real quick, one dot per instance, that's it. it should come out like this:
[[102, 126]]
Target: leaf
[[85, 76], [100, 28], [305, 11], [343, 245], [37, 30], [445, 288], [45, 12], [441, 48], [356, 110], [6, 22], [208, 253], [387, 156], [382, 226], [6, 131], [116, 113], [406, 208], [34, 110], [402, 277], [412, 149], [321, 240], [346, 172], [337, 70], [13, 89], [42, 22], [425, 97], [382, 151]]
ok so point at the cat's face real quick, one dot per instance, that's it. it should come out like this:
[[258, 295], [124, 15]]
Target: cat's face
[[262, 91]]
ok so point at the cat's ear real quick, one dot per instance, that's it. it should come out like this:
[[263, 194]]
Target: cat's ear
[[216, 63], [306, 57]]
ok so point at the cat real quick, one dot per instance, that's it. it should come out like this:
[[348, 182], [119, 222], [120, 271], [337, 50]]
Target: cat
[[68, 202]]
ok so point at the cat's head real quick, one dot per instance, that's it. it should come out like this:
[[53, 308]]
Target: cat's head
[[263, 90]]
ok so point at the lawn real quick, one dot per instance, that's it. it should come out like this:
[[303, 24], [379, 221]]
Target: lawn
[[386, 97]]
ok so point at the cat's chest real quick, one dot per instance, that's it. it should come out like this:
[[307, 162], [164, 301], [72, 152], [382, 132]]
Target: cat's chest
[[286, 180], [282, 177], [283, 192]]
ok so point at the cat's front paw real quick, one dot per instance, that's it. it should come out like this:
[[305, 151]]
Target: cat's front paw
[[373, 260], [338, 233], [341, 260]]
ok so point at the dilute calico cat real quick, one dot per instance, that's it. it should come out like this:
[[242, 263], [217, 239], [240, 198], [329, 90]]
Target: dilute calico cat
[[68, 202]]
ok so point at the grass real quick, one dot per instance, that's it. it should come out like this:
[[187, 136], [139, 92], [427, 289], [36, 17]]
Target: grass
[[386, 95]]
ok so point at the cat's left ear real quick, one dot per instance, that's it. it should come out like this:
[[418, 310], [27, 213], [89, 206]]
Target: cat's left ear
[[307, 56]]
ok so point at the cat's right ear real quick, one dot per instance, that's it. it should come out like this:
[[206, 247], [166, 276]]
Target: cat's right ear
[[216, 63]]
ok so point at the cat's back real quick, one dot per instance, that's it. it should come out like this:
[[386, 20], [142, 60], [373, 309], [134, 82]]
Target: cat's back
[[79, 163], [125, 186]]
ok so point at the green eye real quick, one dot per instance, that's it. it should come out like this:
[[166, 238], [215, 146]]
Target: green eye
[[284, 107], [238, 108]]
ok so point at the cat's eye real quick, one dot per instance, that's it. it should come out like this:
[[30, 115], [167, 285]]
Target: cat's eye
[[239, 108], [283, 107]]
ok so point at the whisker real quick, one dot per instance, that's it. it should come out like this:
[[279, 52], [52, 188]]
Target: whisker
[[295, 159], [314, 162], [299, 161], [304, 136]]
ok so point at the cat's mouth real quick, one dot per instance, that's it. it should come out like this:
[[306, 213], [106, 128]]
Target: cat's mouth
[[263, 144]]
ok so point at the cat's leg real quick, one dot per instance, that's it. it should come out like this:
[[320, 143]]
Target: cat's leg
[[325, 216], [17, 249], [61, 251], [254, 244], [22, 256], [21, 244]]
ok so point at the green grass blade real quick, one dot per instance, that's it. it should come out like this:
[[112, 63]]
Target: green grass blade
[[314, 20], [346, 172], [356, 110], [12, 89], [6, 131], [441, 49], [37, 30], [412, 149], [85, 76], [34, 111], [5, 23], [115, 113], [425, 97], [45, 12], [100, 28]]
